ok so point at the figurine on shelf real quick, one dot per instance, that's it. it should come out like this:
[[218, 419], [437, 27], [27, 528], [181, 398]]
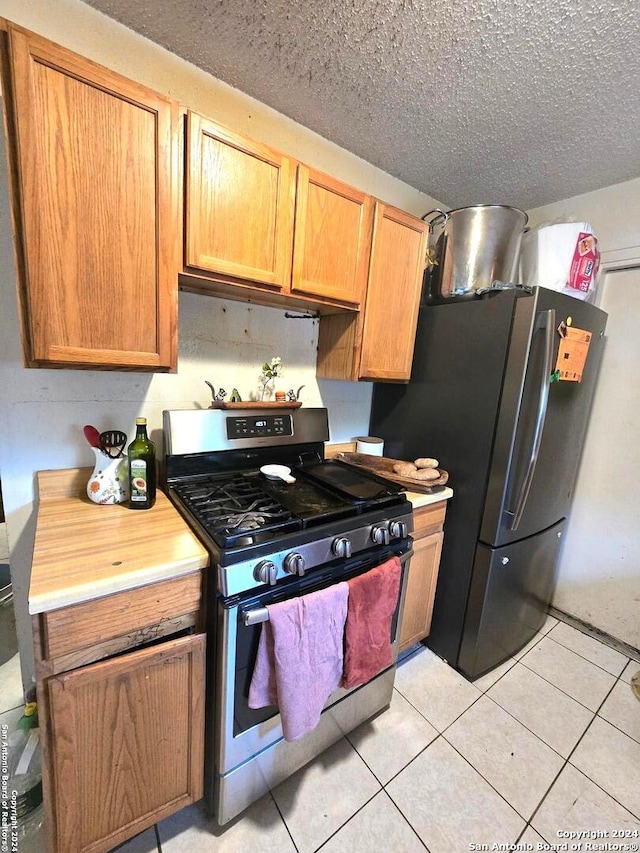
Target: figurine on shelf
[[294, 396], [235, 396], [216, 398]]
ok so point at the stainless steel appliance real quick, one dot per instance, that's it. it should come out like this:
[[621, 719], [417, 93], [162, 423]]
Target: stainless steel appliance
[[484, 400], [270, 540]]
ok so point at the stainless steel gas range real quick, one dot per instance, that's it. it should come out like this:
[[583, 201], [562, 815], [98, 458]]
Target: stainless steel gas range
[[269, 541]]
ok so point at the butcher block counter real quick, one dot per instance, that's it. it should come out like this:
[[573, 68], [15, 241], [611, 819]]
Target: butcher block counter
[[418, 499], [84, 550], [117, 599]]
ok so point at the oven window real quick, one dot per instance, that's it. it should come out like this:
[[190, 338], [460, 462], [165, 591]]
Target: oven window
[[244, 717], [248, 637]]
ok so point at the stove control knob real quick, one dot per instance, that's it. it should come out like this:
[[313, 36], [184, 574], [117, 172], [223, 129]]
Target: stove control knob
[[341, 547], [379, 535], [398, 529], [294, 564], [266, 572]]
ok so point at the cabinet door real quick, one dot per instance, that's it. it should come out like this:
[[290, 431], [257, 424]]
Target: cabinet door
[[96, 168], [126, 743], [240, 197], [421, 589], [393, 295], [332, 238]]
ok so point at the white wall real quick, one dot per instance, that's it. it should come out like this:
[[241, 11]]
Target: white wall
[[614, 213], [599, 575], [43, 411], [600, 571]]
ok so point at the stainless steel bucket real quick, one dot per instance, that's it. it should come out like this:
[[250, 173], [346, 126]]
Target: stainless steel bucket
[[471, 247]]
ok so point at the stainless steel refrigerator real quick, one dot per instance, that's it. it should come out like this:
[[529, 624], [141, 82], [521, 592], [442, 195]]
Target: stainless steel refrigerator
[[493, 396]]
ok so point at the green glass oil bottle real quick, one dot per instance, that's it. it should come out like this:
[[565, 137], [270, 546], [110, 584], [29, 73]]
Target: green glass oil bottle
[[142, 469]]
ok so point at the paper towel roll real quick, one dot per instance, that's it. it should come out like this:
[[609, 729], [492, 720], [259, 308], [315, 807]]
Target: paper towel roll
[[370, 445]]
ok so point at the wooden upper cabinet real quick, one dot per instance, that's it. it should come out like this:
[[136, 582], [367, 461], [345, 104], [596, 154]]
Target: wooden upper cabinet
[[257, 218], [393, 295], [240, 198], [95, 169], [332, 238], [377, 343]]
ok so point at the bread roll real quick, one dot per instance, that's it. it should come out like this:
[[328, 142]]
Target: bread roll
[[405, 469], [425, 474], [426, 462], [409, 471]]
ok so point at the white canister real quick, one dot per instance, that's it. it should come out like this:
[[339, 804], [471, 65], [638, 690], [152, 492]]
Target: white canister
[[370, 445]]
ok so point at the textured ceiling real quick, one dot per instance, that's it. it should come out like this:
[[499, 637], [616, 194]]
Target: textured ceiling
[[472, 101]]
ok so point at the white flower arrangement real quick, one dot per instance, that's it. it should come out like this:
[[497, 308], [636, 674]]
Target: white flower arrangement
[[270, 370]]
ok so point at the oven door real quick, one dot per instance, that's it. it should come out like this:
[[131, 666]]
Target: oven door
[[242, 732]]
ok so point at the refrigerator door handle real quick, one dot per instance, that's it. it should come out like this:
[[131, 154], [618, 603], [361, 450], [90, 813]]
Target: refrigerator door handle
[[546, 320]]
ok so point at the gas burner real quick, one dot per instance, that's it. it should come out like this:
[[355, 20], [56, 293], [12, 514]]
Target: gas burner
[[234, 518], [232, 505], [245, 521]]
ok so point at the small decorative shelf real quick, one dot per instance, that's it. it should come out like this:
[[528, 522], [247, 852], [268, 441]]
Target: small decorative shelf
[[257, 404]]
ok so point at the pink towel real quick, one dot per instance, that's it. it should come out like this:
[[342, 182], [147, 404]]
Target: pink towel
[[367, 641], [300, 658]]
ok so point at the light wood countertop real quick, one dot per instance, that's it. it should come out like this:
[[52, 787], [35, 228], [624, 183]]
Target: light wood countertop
[[419, 499], [84, 550]]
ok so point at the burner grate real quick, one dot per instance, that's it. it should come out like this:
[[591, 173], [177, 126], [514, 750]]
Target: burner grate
[[235, 509]]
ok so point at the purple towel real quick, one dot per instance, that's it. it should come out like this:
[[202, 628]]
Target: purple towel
[[300, 656]]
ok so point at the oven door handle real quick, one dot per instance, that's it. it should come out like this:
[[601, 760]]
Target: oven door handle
[[261, 614], [254, 617]]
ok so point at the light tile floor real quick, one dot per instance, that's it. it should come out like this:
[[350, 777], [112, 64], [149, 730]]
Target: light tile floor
[[547, 743]]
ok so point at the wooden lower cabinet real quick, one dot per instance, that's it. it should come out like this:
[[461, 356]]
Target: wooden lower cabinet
[[126, 743], [423, 574], [421, 589], [121, 711]]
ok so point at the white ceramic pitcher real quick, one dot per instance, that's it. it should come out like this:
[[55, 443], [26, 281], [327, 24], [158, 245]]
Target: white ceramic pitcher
[[109, 481]]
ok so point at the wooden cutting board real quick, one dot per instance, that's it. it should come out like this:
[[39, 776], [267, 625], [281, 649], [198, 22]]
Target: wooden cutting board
[[382, 466]]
